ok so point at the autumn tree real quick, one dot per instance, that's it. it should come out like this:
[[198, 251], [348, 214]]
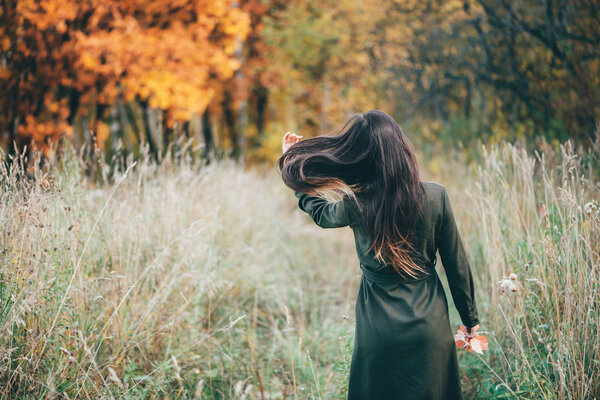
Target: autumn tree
[[238, 73], [63, 60], [323, 61], [542, 59], [465, 69], [242, 100], [525, 67]]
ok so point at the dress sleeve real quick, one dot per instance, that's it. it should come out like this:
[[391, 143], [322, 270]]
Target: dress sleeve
[[456, 265], [325, 214]]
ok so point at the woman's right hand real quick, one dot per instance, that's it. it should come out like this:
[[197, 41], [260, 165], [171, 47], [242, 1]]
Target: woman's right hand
[[289, 139]]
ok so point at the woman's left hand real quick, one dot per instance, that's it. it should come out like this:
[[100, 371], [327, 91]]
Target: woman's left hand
[[289, 139], [471, 331]]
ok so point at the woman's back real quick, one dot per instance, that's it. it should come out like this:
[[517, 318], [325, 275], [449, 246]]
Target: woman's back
[[425, 241]]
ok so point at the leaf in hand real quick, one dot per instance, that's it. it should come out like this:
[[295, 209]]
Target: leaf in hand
[[477, 343]]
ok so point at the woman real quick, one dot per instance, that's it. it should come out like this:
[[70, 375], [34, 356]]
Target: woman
[[403, 345]]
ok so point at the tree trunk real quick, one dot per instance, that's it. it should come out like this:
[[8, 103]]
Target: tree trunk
[[261, 109], [229, 117], [207, 134], [124, 124], [13, 146], [148, 130], [167, 133], [133, 123]]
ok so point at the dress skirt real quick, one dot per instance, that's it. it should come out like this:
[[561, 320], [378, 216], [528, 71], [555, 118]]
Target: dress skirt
[[403, 346]]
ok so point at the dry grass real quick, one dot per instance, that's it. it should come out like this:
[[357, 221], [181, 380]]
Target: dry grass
[[527, 215], [190, 281], [173, 280]]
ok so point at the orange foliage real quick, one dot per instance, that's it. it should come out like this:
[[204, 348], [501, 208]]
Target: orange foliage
[[63, 58]]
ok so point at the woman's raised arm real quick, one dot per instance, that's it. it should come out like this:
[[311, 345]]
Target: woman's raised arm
[[325, 214]]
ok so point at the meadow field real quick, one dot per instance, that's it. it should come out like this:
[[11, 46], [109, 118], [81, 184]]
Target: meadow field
[[192, 281], [150, 250]]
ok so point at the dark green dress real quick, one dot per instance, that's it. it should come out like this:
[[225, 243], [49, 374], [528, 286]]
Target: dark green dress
[[403, 345]]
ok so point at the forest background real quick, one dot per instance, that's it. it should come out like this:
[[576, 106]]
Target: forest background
[[229, 77]]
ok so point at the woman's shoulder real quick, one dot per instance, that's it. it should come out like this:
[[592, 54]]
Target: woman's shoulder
[[432, 187], [435, 193]]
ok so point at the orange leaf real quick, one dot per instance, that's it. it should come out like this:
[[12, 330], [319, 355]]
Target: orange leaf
[[477, 343]]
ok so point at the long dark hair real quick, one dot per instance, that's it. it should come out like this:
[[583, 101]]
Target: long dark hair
[[371, 161]]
